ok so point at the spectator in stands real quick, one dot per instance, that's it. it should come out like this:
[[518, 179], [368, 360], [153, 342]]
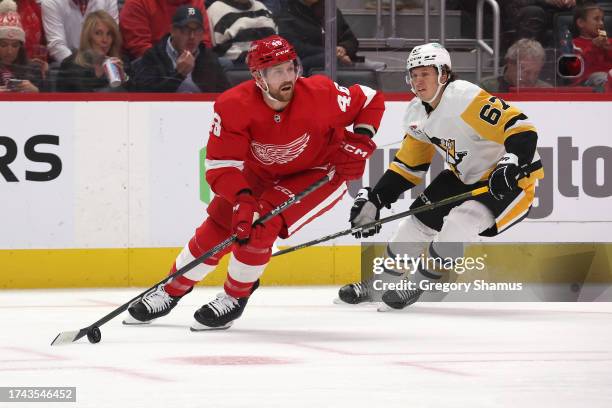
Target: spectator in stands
[[17, 72], [401, 4], [84, 70], [179, 62], [144, 22], [593, 44], [63, 20], [524, 62], [234, 24], [301, 22], [273, 5], [31, 21], [531, 19]]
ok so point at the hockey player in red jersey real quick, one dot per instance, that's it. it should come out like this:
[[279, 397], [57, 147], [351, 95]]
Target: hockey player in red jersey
[[271, 137]]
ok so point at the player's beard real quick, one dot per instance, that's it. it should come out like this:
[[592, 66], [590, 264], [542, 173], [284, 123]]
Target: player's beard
[[284, 92]]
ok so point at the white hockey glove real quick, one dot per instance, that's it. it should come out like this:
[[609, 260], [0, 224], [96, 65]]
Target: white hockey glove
[[504, 178], [365, 209]]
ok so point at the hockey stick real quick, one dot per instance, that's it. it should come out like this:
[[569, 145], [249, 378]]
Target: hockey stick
[[93, 331], [427, 207]]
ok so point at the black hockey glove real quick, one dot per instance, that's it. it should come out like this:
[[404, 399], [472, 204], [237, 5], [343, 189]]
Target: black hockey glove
[[365, 209], [504, 178]]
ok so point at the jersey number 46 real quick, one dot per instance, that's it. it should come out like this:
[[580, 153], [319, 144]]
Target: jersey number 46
[[344, 101]]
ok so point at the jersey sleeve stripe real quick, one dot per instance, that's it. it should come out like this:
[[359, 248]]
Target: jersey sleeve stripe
[[369, 94], [523, 128], [414, 177], [420, 167], [217, 164], [512, 121], [415, 151]]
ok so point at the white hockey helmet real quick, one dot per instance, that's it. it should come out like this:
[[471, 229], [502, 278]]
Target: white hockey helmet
[[430, 54]]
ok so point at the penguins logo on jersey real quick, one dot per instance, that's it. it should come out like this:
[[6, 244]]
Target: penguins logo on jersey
[[452, 156]]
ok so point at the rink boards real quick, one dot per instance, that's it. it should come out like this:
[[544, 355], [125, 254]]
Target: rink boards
[[106, 193]]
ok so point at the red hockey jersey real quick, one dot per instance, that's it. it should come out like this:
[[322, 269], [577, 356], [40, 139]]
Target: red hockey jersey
[[596, 59], [247, 134]]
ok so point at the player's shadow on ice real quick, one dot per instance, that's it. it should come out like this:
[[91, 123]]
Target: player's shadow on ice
[[156, 325], [306, 335], [522, 314]]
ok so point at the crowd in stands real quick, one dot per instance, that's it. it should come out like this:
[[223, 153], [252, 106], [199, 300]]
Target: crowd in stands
[[534, 20], [523, 64], [189, 45]]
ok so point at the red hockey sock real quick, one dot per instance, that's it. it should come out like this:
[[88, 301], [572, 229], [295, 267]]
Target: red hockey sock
[[178, 286], [237, 289]]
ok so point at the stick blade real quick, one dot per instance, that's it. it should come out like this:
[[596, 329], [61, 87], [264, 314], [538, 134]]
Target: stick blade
[[66, 338]]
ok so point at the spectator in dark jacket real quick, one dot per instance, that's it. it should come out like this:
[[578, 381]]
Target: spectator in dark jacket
[[84, 70], [144, 22], [301, 22], [531, 19], [179, 62]]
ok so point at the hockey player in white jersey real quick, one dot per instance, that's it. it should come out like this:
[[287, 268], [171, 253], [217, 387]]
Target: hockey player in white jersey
[[483, 140]]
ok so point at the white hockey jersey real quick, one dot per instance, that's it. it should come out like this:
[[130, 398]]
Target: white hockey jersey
[[468, 128]]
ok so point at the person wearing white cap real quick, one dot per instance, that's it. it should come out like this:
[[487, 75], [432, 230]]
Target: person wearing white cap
[[17, 73]]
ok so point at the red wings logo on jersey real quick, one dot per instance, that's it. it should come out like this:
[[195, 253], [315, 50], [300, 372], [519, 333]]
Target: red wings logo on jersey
[[279, 154]]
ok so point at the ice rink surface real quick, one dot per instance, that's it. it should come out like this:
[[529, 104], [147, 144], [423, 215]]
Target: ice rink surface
[[294, 348]]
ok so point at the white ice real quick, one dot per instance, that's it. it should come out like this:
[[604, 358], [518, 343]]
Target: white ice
[[294, 348]]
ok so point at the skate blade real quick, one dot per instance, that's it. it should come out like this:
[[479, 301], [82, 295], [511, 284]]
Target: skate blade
[[338, 301], [199, 327], [384, 308], [130, 321]]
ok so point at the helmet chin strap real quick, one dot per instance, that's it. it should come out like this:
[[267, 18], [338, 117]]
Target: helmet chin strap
[[265, 90], [438, 89]]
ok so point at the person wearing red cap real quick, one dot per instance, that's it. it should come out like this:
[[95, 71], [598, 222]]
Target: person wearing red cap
[[289, 133]]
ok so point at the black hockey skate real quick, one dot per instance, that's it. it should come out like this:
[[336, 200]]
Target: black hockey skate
[[220, 313], [155, 303], [399, 299], [355, 293]]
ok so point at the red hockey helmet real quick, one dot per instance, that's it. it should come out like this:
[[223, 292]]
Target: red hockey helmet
[[269, 51]]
